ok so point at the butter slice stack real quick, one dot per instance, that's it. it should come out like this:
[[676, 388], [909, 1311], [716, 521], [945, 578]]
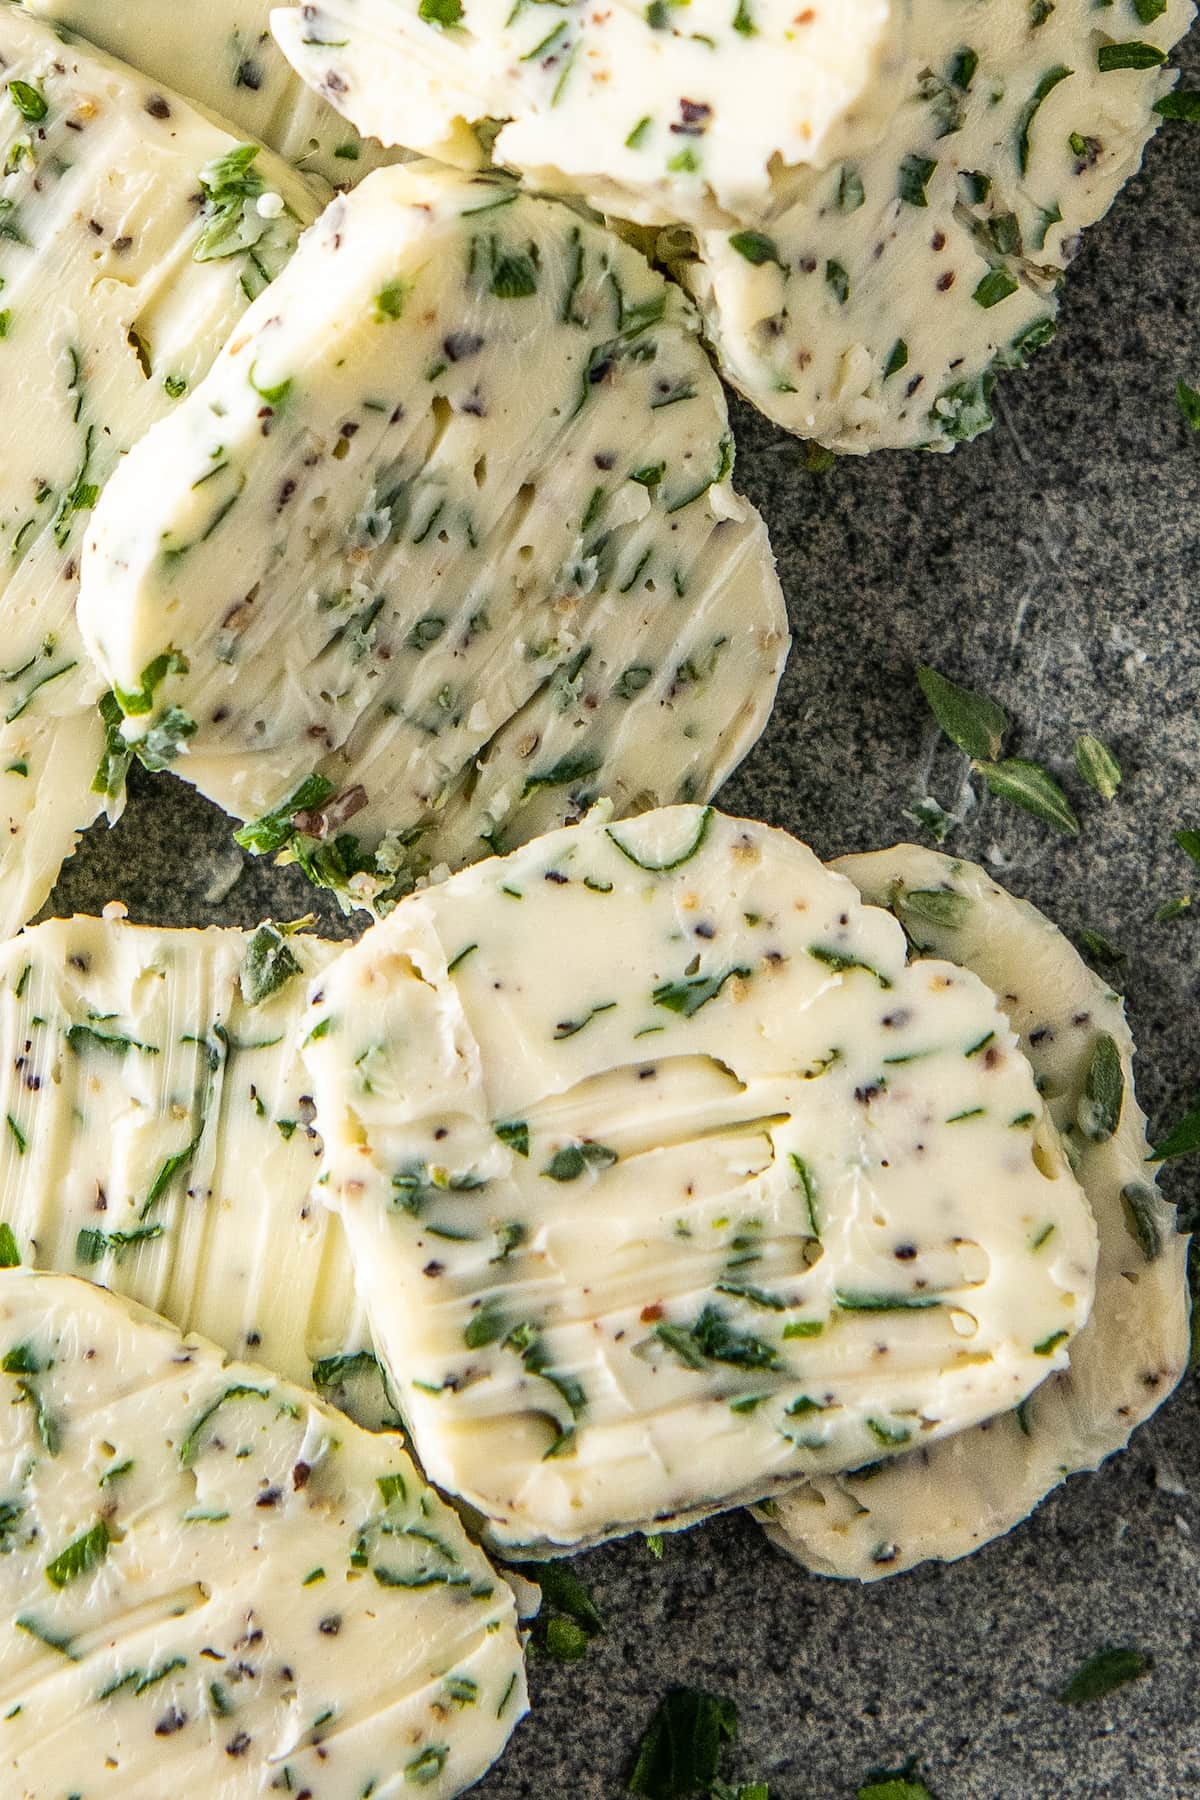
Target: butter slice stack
[[213, 1583], [158, 1136], [668, 1180]]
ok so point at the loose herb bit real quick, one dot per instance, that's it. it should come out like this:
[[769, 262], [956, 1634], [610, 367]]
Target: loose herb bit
[[441, 12], [1104, 1092], [268, 966], [1172, 909], [1103, 1673], [972, 721], [1184, 1140], [1100, 948], [1184, 104], [173, 1166], [10, 1255], [17, 1135], [568, 1618], [902, 1785], [231, 186], [1097, 765], [1028, 785], [82, 1037], [80, 1557], [1187, 399], [1188, 840], [853, 1300], [680, 1752]]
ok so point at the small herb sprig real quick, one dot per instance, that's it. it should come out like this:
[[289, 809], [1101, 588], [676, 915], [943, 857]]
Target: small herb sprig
[[679, 1757], [979, 726]]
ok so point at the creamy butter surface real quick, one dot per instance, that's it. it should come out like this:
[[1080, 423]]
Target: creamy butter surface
[[954, 1497], [667, 1179], [157, 1135], [444, 549], [879, 300], [222, 56], [656, 112], [213, 1584], [129, 247]]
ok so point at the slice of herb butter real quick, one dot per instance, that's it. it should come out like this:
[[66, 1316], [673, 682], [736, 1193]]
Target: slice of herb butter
[[445, 547], [158, 1137], [212, 1583], [880, 298], [222, 56], [1133, 1350], [667, 1179], [680, 109], [115, 295]]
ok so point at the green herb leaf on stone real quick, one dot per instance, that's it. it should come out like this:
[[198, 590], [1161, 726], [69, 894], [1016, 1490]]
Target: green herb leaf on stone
[[1028, 785], [976, 724]]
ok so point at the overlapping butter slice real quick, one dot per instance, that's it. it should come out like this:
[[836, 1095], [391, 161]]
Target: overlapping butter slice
[[954, 1497], [222, 56], [214, 1584], [444, 548], [667, 1179], [654, 112], [132, 234], [877, 302], [157, 1135]]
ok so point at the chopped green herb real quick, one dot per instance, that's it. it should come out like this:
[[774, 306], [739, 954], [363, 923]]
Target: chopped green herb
[[190, 1447], [1104, 1092], [1097, 765], [976, 724], [1130, 55], [1028, 785], [10, 1255], [514, 1133], [1103, 1673], [1033, 106], [937, 906], [575, 1160], [1184, 1140], [268, 965], [713, 1339], [28, 101], [80, 1557], [93, 1246], [997, 285], [680, 1751], [1183, 104], [689, 996], [1140, 1204], [915, 174]]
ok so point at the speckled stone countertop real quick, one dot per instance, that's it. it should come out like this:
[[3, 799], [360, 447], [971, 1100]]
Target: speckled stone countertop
[[1053, 564]]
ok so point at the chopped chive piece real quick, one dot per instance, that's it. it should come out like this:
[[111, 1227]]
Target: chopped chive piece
[[915, 174]]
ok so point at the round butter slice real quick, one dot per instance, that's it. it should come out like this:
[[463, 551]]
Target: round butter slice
[[948, 1501], [667, 1179], [158, 1137], [222, 56], [127, 254], [879, 299], [214, 1584], [658, 112], [445, 547]]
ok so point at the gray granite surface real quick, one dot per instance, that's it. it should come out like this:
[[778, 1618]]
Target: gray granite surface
[[1055, 565]]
